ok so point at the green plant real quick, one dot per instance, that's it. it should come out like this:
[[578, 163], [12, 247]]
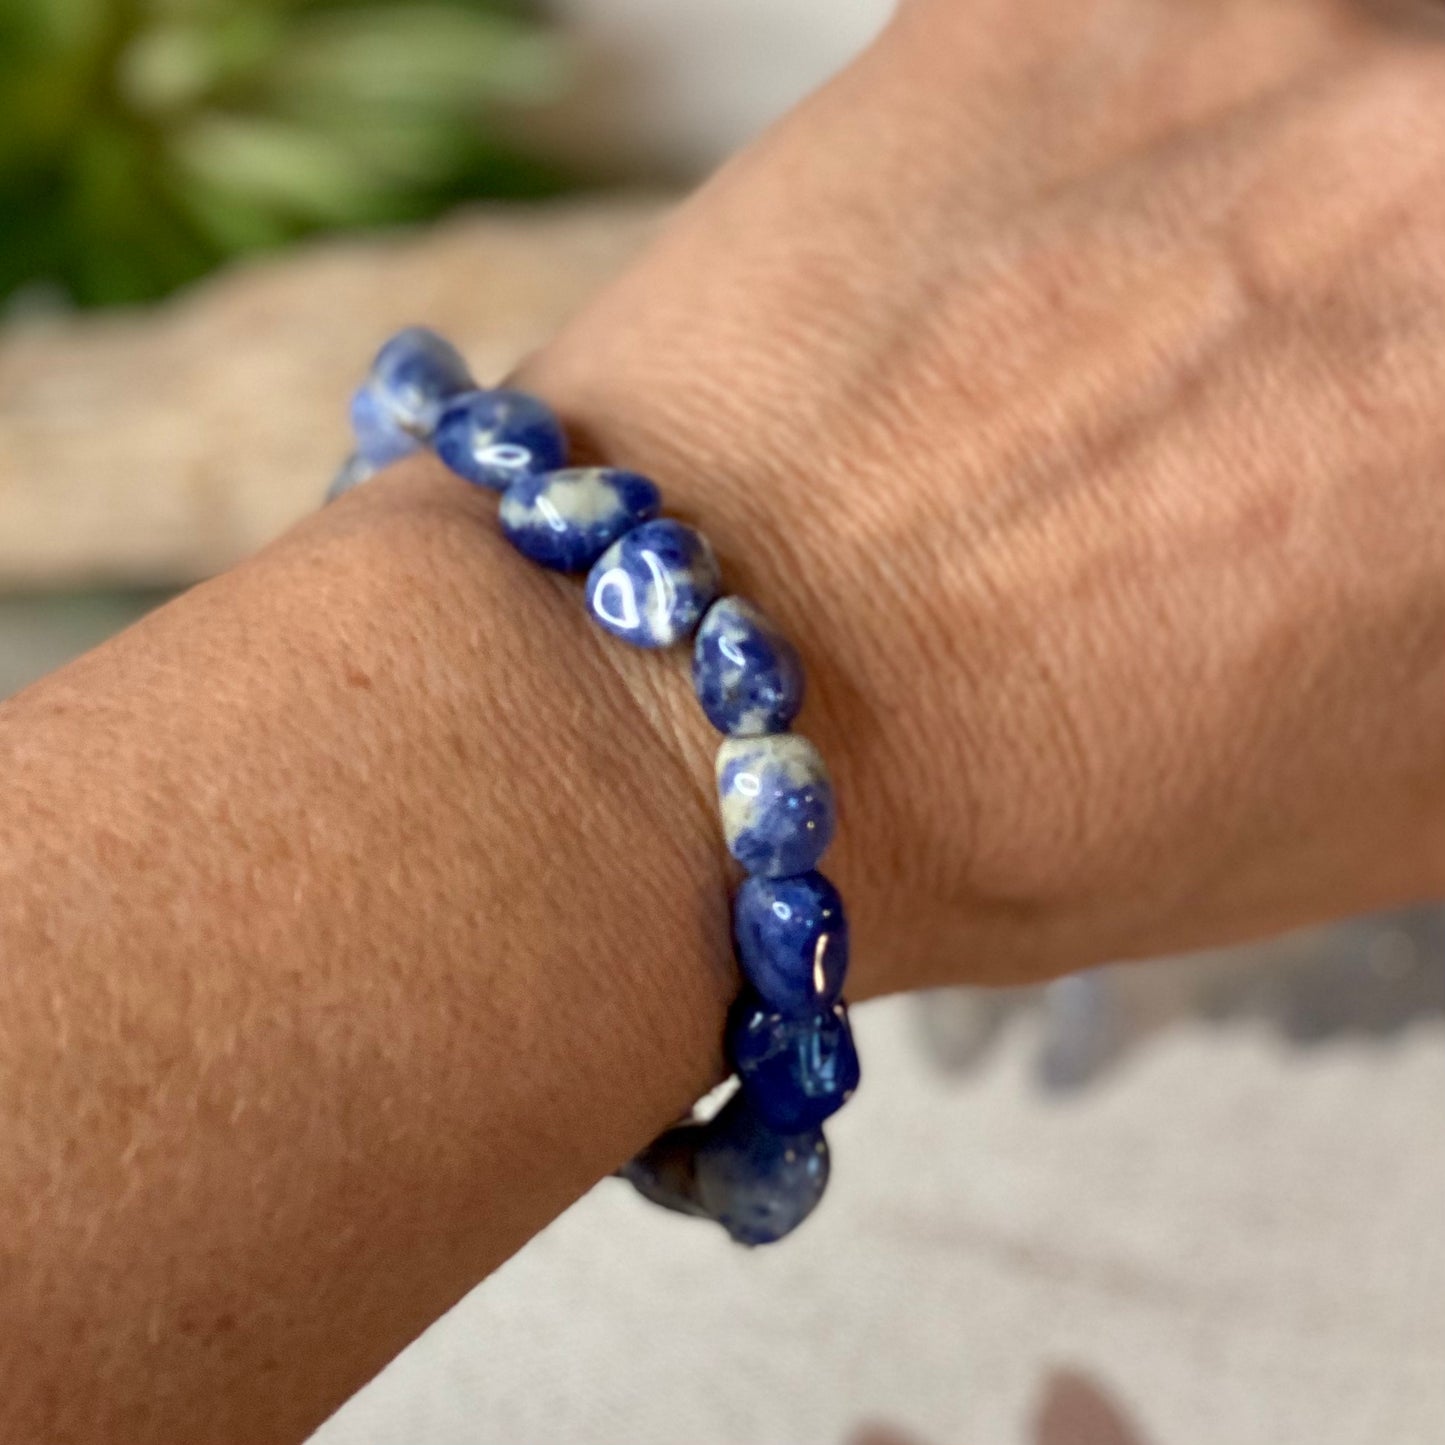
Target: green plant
[[144, 141]]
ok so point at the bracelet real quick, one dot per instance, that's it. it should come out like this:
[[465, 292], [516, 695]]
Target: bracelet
[[759, 1164]]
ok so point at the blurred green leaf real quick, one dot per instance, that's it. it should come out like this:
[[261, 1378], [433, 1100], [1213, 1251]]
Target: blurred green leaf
[[144, 141]]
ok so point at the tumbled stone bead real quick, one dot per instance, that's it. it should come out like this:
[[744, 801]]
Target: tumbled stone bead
[[380, 437], [652, 586], [397, 406], [566, 520], [777, 805], [796, 1071], [792, 940], [758, 1184], [491, 438], [665, 1173], [747, 675], [352, 473], [414, 375]]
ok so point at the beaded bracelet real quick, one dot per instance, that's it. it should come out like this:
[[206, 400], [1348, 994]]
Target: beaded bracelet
[[759, 1165]]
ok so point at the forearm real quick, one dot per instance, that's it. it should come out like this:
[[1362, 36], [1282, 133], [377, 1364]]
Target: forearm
[[357, 919]]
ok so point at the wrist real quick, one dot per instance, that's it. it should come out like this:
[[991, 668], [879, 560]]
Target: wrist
[[382, 900], [810, 543], [566, 767]]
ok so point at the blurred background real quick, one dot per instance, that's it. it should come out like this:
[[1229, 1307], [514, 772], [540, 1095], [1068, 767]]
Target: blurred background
[[1199, 1201]]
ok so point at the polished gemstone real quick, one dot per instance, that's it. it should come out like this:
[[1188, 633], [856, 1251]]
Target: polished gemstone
[[797, 1071], [760, 1185], [566, 520], [792, 940], [380, 438], [395, 409], [414, 375], [747, 675], [491, 438], [777, 804], [652, 586]]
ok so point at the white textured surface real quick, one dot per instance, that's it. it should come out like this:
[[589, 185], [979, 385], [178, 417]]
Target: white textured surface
[[1238, 1242]]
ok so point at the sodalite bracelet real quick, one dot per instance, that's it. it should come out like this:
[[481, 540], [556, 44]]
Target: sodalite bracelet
[[760, 1164]]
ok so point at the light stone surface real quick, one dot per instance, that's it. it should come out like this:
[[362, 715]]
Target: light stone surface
[[775, 798], [160, 446], [1224, 1241], [577, 497]]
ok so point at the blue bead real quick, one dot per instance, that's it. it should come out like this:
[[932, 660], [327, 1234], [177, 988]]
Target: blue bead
[[491, 438], [352, 473], [567, 520], [747, 675], [792, 938], [777, 803], [665, 1173], [796, 1071], [380, 438], [652, 586], [414, 374], [758, 1184]]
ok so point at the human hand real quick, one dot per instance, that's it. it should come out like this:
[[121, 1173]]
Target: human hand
[[1067, 378]]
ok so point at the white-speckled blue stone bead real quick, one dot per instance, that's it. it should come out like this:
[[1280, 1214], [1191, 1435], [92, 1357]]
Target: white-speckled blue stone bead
[[490, 438], [776, 799], [758, 1184], [352, 473], [415, 374], [566, 520], [411, 379], [652, 586], [792, 941], [747, 675], [796, 1071], [380, 438]]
